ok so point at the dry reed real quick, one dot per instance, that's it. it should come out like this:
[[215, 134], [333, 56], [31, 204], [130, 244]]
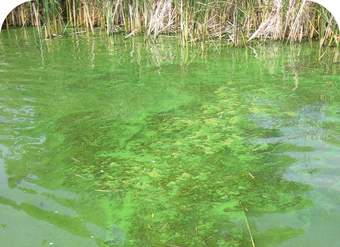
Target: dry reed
[[236, 21]]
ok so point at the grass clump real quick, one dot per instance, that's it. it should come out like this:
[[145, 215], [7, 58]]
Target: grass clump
[[237, 22]]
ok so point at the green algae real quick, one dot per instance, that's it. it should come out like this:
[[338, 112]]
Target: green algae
[[139, 148]]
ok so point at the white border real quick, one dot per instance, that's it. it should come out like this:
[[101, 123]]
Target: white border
[[333, 6], [6, 6]]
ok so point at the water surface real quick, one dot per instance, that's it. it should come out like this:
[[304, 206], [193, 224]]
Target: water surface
[[106, 141]]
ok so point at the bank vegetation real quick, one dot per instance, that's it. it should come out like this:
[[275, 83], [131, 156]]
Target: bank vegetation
[[235, 21]]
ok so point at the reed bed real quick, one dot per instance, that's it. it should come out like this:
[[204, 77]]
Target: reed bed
[[236, 21]]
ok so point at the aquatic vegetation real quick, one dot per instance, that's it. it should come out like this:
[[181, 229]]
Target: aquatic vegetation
[[234, 21], [121, 142], [189, 172]]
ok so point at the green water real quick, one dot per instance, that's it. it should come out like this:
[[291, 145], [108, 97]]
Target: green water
[[106, 141]]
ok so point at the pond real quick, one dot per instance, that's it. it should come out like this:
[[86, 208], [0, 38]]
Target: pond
[[106, 141]]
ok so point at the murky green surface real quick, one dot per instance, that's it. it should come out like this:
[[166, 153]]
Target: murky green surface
[[113, 142]]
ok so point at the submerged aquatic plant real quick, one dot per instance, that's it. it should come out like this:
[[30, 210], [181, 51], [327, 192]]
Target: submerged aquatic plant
[[234, 21], [190, 172]]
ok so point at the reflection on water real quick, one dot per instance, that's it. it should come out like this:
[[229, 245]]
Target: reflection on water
[[113, 142]]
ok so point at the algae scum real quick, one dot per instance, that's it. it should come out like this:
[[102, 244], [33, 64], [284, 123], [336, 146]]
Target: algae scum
[[113, 142]]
